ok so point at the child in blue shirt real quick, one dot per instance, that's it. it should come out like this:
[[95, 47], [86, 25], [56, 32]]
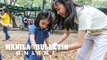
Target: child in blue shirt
[[38, 33]]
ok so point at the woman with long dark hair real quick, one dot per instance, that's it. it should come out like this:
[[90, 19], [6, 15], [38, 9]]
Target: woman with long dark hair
[[92, 31]]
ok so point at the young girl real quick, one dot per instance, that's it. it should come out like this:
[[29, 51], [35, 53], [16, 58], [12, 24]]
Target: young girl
[[5, 22], [38, 33], [92, 31], [20, 17]]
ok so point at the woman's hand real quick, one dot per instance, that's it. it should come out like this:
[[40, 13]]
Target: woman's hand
[[64, 36]]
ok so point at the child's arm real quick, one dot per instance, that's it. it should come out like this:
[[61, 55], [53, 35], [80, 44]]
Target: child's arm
[[65, 35], [32, 32], [33, 43], [48, 41]]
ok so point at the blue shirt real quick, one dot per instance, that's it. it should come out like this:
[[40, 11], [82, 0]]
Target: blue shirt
[[20, 18], [40, 35]]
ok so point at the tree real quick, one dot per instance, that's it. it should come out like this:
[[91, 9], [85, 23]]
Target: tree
[[5, 1], [13, 2]]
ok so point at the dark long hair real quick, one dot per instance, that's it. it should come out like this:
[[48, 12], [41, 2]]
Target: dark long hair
[[44, 14], [70, 14], [6, 10]]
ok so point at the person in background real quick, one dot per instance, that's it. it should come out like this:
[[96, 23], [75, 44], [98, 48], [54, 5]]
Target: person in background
[[6, 21], [20, 21], [25, 21]]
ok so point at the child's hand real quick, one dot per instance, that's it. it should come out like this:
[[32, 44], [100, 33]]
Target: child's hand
[[39, 53]]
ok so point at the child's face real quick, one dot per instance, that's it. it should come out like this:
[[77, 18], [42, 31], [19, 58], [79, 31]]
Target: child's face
[[43, 23], [60, 8]]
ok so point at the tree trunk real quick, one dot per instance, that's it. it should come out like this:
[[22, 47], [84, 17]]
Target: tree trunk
[[14, 22], [5, 1], [13, 2]]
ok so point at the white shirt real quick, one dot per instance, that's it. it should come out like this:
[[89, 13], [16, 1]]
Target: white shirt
[[90, 18]]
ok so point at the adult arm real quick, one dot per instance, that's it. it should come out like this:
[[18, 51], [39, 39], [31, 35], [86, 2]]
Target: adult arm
[[64, 36]]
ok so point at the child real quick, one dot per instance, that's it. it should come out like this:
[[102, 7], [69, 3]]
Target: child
[[31, 22], [38, 33], [92, 31], [5, 22], [20, 21], [25, 21]]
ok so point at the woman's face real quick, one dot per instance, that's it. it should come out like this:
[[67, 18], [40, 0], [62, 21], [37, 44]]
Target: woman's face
[[60, 8], [43, 23]]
